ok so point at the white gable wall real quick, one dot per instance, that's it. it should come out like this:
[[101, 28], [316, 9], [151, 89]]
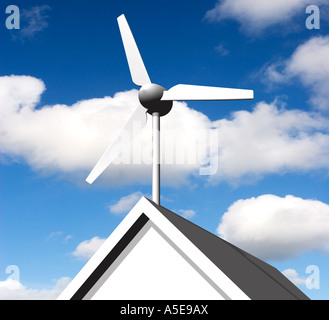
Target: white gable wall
[[152, 268], [149, 262]]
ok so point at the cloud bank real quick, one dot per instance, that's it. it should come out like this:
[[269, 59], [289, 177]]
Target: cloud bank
[[68, 140], [271, 227]]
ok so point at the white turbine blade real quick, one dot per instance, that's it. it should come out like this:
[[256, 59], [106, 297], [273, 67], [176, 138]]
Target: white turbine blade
[[137, 69], [133, 126], [192, 92]]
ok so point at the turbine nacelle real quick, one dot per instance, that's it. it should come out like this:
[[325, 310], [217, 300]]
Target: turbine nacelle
[[150, 95]]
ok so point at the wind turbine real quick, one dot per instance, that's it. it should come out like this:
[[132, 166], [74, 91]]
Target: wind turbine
[[158, 102]]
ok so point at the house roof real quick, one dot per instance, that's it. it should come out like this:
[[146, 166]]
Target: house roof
[[256, 278], [242, 275]]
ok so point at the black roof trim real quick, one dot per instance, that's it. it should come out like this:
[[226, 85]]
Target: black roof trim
[[110, 258]]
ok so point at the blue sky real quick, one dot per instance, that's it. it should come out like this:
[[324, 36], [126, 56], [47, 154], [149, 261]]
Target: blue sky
[[66, 90]]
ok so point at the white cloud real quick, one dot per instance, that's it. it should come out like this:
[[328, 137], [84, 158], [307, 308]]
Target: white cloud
[[59, 235], [59, 137], [33, 20], [270, 140], [293, 276], [310, 64], [222, 50], [257, 15], [187, 213], [14, 290], [125, 204], [54, 235], [272, 227], [87, 248]]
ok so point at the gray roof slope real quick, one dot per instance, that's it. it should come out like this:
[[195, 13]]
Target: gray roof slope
[[256, 278]]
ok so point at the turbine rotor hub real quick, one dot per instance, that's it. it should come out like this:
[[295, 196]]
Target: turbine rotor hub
[[150, 98]]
